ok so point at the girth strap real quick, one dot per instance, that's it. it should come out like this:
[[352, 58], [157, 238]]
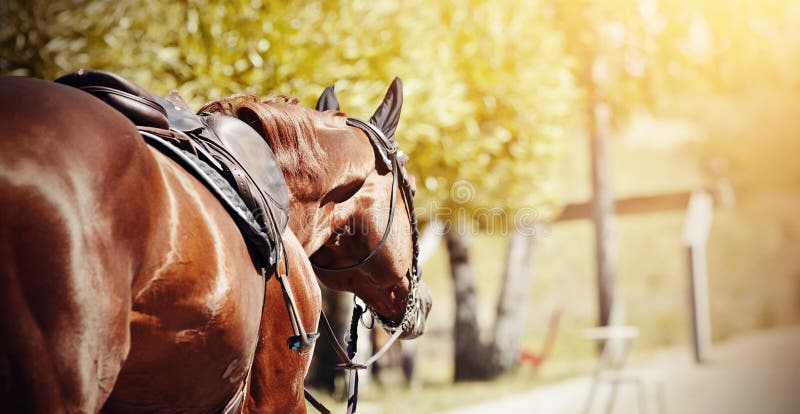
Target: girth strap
[[236, 404]]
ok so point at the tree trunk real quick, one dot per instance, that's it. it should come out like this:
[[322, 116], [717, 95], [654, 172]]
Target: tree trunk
[[473, 359], [469, 352], [599, 115], [509, 324]]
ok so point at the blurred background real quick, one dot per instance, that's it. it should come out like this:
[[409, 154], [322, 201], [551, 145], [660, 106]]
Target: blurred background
[[557, 145]]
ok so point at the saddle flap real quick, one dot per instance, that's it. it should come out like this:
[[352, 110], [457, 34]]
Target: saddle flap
[[249, 148]]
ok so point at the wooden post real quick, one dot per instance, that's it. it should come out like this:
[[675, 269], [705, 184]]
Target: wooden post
[[602, 197], [695, 237]]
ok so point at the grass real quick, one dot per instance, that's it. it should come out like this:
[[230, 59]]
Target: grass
[[754, 283]]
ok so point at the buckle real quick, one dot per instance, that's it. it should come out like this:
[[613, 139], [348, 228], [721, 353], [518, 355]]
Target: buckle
[[349, 366], [295, 342]]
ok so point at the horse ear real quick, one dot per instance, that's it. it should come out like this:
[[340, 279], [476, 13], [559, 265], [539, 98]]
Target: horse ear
[[327, 100], [387, 115]]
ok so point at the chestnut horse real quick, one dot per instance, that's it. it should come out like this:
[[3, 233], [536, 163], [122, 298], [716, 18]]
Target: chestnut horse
[[125, 286]]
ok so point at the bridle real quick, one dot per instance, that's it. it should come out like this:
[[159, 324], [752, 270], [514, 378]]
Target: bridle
[[393, 159], [302, 341]]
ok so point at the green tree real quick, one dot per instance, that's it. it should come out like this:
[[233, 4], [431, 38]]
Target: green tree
[[488, 90], [484, 84]]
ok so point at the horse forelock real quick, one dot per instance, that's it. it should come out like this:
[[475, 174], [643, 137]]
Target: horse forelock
[[289, 131]]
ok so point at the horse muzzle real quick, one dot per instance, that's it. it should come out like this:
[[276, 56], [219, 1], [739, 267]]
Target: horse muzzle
[[422, 309]]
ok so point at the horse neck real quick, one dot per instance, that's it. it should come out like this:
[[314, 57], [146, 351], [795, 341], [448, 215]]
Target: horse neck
[[310, 223]]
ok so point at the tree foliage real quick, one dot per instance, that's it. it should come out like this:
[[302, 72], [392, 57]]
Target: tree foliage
[[490, 88], [655, 51], [487, 85], [728, 66]]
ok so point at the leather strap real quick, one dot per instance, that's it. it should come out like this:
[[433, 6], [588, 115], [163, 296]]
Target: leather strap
[[315, 403], [236, 404], [294, 315], [348, 363]]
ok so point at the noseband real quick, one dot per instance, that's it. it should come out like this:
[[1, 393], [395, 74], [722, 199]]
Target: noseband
[[392, 158]]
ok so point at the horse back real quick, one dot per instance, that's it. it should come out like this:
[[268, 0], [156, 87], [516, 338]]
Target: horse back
[[85, 161], [126, 286], [69, 231]]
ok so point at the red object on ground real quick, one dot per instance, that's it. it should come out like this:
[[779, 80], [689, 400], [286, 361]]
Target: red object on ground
[[536, 359], [528, 357]]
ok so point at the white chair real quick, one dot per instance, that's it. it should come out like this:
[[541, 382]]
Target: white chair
[[616, 341]]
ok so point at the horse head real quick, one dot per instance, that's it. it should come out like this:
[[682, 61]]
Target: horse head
[[373, 248], [351, 199]]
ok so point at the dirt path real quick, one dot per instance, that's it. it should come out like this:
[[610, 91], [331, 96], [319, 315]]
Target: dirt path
[[757, 373]]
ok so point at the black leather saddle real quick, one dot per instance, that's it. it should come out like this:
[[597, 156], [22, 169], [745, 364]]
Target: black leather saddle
[[229, 157]]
